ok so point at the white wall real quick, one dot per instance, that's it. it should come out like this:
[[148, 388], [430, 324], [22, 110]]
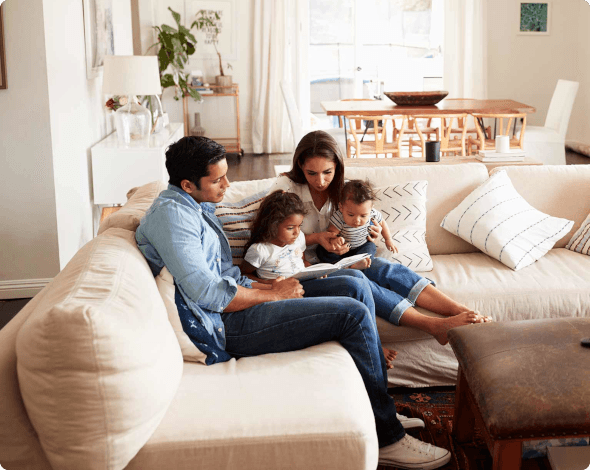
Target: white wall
[[50, 117], [526, 68], [217, 113], [77, 115], [579, 128], [28, 228]]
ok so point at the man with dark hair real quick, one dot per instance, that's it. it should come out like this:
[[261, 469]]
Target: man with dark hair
[[227, 315]]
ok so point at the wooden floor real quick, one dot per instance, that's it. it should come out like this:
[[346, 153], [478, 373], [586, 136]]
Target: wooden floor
[[249, 167]]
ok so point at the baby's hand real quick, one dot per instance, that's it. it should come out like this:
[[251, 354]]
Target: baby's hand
[[391, 246]]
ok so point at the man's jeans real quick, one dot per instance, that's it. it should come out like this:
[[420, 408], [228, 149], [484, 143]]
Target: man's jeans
[[294, 324]]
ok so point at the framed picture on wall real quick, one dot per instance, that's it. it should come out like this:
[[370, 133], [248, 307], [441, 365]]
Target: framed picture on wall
[[3, 84], [534, 18], [98, 34], [207, 40]]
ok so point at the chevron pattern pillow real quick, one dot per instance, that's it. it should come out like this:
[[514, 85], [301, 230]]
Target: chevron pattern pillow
[[580, 242], [404, 209], [498, 221]]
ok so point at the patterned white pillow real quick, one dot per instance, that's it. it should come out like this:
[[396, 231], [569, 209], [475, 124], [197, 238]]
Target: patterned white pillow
[[235, 217], [498, 221], [404, 209], [580, 242]]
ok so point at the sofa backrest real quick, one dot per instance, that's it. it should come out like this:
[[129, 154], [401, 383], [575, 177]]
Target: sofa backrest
[[558, 190], [448, 185]]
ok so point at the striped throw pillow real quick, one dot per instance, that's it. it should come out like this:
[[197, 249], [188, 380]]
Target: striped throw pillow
[[498, 221], [580, 242], [235, 217]]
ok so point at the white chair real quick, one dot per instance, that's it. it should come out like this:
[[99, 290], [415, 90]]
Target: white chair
[[547, 143], [297, 127]]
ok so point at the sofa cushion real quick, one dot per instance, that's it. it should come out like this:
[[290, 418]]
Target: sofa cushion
[[557, 285], [165, 283], [502, 224], [138, 202], [403, 207], [558, 190], [448, 185], [97, 361], [265, 413], [580, 242]]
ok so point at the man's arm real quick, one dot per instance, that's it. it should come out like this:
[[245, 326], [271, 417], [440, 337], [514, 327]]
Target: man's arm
[[281, 289]]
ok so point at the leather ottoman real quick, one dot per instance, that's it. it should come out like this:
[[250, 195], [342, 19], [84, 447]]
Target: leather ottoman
[[521, 380]]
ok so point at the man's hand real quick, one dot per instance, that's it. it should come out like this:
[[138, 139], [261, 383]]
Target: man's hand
[[333, 243], [287, 288], [374, 231]]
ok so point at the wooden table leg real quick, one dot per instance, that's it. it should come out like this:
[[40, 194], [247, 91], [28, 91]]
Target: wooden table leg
[[507, 454], [463, 418]]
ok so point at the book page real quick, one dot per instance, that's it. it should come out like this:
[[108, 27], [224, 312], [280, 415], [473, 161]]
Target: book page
[[345, 262], [318, 270]]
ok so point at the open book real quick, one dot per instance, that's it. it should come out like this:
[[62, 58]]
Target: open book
[[318, 270]]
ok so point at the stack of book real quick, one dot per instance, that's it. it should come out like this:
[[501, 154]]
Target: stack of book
[[489, 156]]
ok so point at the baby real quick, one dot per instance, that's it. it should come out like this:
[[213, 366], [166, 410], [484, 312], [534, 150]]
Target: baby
[[352, 220]]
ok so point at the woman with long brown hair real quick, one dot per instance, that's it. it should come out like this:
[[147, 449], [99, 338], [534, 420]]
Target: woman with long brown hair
[[317, 176]]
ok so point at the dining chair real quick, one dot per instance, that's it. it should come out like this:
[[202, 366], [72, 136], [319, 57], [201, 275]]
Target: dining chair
[[547, 143], [449, 142], [412, 131], [384, 137], [297, 127], [485, 142]]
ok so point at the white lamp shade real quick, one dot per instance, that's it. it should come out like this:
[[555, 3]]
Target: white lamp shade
[[131, 75]]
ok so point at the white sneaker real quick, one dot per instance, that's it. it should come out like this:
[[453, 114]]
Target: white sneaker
[[409, 452], [410, 423]]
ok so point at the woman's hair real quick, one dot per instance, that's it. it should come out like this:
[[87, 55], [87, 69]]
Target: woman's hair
[[319, 144], [274, 209], [357, 191]]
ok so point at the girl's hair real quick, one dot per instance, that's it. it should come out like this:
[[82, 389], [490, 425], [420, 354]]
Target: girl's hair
[[274, 209], [319, 144], [357, 191]]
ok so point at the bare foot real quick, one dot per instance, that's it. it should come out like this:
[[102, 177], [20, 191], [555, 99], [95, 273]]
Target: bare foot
[[390, 356], [362, 264], [441, 326]]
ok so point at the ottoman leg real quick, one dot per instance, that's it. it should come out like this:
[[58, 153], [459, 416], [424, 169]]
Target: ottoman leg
[[463, 419], [507, 454]]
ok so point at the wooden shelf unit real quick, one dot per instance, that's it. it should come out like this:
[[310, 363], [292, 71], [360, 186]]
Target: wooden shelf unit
[[231, 144]]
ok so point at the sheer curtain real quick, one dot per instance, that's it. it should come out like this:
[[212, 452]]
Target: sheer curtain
[[270, 126], [465, 49]]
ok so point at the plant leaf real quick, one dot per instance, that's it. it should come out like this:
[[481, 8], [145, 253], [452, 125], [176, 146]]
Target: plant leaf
[[169, 29], [167, 80], [175, 15]]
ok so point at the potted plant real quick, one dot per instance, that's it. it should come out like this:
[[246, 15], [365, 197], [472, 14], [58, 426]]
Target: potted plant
[[210, 21], [175, 45]]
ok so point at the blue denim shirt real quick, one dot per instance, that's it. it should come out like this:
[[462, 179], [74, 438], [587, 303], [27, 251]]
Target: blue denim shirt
[[187, 238]]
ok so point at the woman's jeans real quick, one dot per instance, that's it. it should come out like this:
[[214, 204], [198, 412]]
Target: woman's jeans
[[326, 256], [289, 325]]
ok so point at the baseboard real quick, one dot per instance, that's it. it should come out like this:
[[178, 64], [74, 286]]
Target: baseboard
[[22, 288]]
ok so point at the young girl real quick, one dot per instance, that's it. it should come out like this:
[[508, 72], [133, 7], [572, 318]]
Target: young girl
[[277, 244], [352, 220]]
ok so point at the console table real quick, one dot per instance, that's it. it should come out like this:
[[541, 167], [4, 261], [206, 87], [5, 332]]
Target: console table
[[116, 168]]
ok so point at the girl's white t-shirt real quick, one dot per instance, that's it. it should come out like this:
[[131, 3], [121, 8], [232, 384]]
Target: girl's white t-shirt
[[272, 261], [315, 220]]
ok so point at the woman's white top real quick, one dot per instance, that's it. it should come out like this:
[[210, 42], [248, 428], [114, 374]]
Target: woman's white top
[[315, 220], [272, 261]]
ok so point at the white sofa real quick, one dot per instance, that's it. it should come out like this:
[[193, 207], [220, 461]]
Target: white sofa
[[91, 375]]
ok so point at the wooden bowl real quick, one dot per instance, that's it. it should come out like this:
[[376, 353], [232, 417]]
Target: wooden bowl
[[416, 98]]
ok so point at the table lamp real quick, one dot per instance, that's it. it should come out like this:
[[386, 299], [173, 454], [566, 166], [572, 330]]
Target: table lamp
[[132, 76]]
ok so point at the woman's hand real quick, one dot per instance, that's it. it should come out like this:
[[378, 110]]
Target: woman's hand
[[333, 242], [374, 231]]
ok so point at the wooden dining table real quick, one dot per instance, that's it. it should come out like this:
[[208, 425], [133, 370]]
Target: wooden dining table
[[446, 106], [386, 107]]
